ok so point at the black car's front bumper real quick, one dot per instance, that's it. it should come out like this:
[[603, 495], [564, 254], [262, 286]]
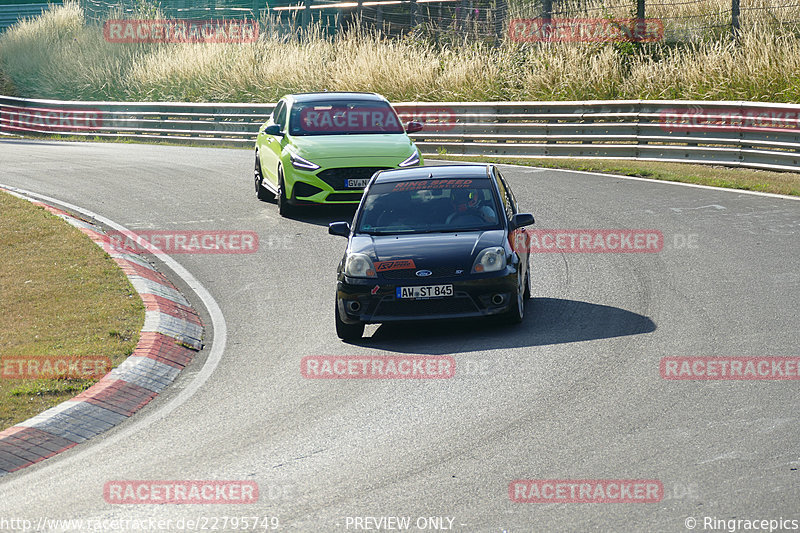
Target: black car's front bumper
[[375, 300]]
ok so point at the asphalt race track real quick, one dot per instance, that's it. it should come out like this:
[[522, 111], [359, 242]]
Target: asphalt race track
[[574, 393]]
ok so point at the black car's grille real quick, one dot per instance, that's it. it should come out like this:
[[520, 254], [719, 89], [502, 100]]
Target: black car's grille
[[437, 306], [335, 176]]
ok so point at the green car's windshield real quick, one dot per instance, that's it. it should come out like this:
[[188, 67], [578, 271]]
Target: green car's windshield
[[343, 117], [428, 206]]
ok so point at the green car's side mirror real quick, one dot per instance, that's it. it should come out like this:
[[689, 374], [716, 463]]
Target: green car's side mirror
[[273, 129], [414, 127]]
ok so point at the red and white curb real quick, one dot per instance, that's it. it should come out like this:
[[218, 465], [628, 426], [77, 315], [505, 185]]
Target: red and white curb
[[171, 335]]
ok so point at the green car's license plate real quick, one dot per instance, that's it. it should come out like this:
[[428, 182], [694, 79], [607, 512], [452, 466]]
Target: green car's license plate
[[356, 184]]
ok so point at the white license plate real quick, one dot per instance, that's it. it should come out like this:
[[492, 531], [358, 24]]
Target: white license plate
[[425, 291], [356, 184]]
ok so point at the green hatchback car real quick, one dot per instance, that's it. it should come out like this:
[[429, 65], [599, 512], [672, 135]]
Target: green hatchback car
[[322, 148]]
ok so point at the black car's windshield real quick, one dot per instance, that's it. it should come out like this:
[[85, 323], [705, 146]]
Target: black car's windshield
[[429, 205], [343, 117]]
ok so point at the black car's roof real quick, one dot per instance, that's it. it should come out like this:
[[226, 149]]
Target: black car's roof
[[437, 172], [335, 96]]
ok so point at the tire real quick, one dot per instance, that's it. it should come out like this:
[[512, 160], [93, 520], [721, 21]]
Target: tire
[[283, 203], [527, 294], [262, 192], [517, 312], [348, 332]]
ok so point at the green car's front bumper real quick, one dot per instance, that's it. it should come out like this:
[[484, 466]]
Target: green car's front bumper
[[327, 185]]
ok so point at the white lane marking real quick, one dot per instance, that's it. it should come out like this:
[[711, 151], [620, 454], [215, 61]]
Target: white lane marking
[[534, 170], [150, 225], [136, 426], [663, 182], [680, 209]]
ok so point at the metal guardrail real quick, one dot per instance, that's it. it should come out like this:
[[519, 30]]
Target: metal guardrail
[[739, 134], [10, 14]]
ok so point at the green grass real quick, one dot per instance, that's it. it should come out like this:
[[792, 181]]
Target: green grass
[[716, 176], [60, 295], [60, 55]]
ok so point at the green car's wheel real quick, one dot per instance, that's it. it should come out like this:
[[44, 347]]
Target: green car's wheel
[[348, 332], [262, 192], [283, 203]]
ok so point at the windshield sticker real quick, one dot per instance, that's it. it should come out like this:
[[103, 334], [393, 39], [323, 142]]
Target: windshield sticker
[[432, 184]]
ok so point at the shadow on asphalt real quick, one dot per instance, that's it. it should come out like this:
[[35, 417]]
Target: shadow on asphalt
[[322, 215], [547, 321]]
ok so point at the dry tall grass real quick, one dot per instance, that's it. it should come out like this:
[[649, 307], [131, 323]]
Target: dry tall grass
[[60, 55]]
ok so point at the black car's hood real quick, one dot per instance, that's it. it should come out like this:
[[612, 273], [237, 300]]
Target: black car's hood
[[428, 250]]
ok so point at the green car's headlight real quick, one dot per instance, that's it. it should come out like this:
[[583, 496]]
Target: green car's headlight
[[490, 260], [359, 266], [301, 163], [412, 160]]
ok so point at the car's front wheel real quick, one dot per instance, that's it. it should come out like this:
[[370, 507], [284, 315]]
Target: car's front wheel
[[261, 192], [347, 332], [527, 294], [517, 311], [283, 202]]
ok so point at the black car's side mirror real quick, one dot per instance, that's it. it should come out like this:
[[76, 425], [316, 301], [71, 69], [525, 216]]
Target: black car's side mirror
[[273, 129], [521, 219], [414, 127], [339, 228]]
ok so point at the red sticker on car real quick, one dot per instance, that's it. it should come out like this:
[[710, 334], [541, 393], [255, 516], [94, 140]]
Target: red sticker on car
[[400, 264]]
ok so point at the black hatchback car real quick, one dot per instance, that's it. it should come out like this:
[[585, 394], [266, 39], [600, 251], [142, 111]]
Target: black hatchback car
[[433, 242]]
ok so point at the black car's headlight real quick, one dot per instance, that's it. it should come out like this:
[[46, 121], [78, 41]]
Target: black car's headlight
[[301, 163], [490, 260], [412, 160], [359, 266]]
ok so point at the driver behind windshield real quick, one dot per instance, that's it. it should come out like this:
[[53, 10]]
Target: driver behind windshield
[[466, 203]]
